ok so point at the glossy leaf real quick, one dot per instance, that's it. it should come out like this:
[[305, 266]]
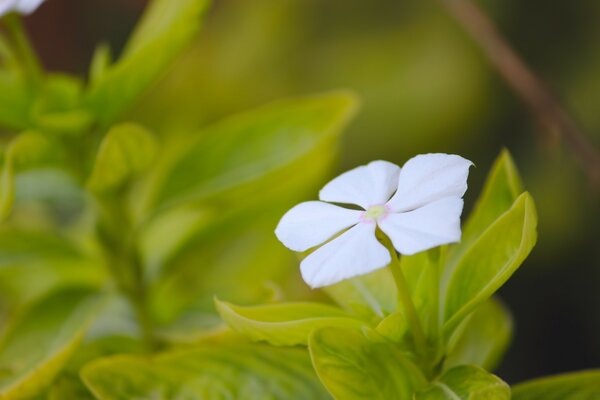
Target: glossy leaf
[[466, 382], [372, 295], [216, 372], [166, 28], [353, 366], [271, 142], [482, 338], [285, 324], [583, 385], [491, 260], [126, 150], [37, 345]]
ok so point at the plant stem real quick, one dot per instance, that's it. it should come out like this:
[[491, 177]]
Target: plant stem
[[24, 47], [405, 301]]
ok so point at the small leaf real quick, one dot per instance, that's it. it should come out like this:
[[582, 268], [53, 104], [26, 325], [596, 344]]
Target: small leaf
[[286, 324], [490, 261], [353, 367], [482, 338], [583, 385], [166, 28], [372, 295], [216, 372], [126, 150], [466, 382], [260, 149], [37, 346]]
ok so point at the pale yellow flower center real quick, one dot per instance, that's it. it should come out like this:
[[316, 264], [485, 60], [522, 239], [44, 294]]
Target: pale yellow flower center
[[375, 212]]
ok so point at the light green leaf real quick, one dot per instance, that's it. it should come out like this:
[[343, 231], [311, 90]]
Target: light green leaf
[[466, 382], [371, 296], [37, 345], [286, 324], [256, 151], [352, 366], [216, 372], [502, 187], [166, 28], [490, 261], [583, 385], [34, 263], [482, 338], [126, 150]]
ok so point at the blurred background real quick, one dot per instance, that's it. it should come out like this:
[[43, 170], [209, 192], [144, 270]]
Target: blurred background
[[425, 87]]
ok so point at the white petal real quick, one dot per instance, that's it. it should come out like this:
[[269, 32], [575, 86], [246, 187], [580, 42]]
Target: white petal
[[7, 6], [313, 222], [355, 252], [433, 225], [429, 177], [367, 185], [28, 6]]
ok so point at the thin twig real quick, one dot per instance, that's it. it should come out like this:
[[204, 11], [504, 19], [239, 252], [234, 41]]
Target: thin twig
[[529, 87]]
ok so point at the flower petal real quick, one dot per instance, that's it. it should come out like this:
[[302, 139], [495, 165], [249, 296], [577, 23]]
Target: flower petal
[[430, 177], [355, 252], [313, 222], [28, 6], [367, 185], [6, 6], [435, 224]]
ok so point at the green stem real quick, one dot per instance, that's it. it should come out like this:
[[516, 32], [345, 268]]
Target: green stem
[[24, 46]]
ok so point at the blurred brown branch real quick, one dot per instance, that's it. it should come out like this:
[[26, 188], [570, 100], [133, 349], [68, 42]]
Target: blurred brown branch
[[529, 87]]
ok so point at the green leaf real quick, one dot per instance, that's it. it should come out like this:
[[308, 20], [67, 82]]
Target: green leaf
[[466, 382], [216, 372], [583, 385], [502, 187], [37, 345], [490, 261], [482, 338], [34, 263], [286, 324], [352, 366], [256, 151], [166, 28], [126, 150], [371, 296]]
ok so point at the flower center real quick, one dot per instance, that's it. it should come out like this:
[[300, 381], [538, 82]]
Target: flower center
[[375, 213]]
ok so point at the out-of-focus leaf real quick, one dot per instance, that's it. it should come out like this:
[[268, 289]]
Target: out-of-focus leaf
[[101, 62], [37, 345], [490, 261], [353, 367], [285, 324], [466, 382], [502, 187], [165, 30], [216, 372], [126, 150], [482, 338], [254, 151], [34, 263], [371, 295], [583, 385]]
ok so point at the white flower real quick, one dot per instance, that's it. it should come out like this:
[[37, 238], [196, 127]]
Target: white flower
[[19, 6], [418, 207]]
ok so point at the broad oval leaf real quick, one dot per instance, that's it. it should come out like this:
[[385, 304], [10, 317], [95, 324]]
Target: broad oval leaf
[[37, 345], [166, 28], [126, 150], [370, 296], [466, 382], [285, 324], [583, 385], [482, 338], [264, 143], [352, 366], [490, 261], [219, 372]]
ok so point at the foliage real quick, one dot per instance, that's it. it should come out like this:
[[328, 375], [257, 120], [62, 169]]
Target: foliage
[[123, 247]]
